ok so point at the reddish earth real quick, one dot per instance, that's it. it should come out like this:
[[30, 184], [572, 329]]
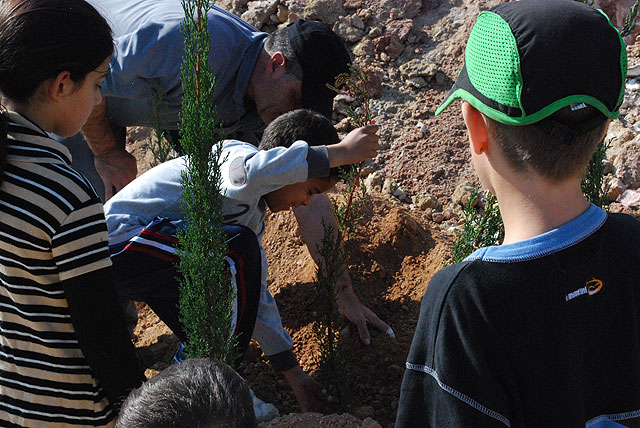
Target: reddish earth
[[391, 259], [396, 248]]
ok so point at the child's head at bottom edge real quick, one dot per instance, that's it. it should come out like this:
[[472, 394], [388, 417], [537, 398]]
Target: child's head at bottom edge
[[316, 130], [542, 79], [194, 393]]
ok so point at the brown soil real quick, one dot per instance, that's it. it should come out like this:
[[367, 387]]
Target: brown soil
[[391, 259]]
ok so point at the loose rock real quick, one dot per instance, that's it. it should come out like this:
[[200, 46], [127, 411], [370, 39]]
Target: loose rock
[[418, 68], [462, 193], [425, 201], [616, 188], [416, 82], [326, 11], [630, 199], [400, 28], [388, 187], [389, 45], [627, 164], [375, 181], [401, 195], [370, 423], [349, 33], [260, 11], [364, 48]]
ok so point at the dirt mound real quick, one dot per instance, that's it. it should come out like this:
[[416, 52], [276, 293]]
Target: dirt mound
[[317, 420], [391, 259]]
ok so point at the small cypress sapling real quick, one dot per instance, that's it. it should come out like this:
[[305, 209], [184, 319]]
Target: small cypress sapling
[[482, 228], [331, 363], [160, 142], [479, 228], [354, 84], [593, 184], [630, 20], [206, 294], [346, 215]]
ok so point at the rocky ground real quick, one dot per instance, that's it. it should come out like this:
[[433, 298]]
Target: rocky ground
[[412, 51]]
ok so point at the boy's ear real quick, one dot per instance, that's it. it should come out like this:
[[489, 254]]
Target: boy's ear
[[59, 86], [476, 128], [275, 66]]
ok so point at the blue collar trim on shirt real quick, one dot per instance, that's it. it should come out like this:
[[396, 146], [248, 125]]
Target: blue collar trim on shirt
[[553, 241]]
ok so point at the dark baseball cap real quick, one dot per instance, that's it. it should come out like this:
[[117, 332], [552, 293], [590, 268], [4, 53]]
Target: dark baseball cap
[[528, 59], [322, 56]]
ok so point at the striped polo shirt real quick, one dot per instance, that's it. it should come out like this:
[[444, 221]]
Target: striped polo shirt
[[52, 229]]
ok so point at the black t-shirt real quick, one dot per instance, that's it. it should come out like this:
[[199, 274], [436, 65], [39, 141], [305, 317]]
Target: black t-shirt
[[545, 339]]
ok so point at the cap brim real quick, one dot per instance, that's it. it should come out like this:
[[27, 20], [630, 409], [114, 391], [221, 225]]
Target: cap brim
[[463, 89], [318, 98], [462, 82]]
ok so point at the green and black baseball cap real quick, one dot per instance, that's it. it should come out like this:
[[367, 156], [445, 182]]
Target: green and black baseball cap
[[525, 60]]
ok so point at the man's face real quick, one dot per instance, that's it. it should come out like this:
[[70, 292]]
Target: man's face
[[296, 194], [282, 95]]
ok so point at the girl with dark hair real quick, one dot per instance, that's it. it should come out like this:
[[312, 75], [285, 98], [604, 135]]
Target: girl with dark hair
[[65, 355]]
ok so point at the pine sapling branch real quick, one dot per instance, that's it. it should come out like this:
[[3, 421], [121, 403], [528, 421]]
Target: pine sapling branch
[[479, 229], [206, 293], [630, 20], [593, 184], [355, 84], [327, 327]]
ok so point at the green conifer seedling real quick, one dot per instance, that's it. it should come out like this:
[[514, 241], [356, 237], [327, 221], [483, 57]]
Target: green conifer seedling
[[331, 363], [206, 293], [160, 142], [480, 228]]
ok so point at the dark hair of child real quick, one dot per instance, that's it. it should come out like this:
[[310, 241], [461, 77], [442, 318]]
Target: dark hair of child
[[302, 124], [527, 147], [194, 393], [41, 38]]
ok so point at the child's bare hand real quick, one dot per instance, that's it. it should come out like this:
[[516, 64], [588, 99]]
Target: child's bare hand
[[359, 145], [305, 388]]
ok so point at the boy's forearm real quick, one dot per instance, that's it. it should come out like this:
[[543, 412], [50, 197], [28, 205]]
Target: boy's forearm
[[310, 222], [359, 145], [336, 155], [283, 361]]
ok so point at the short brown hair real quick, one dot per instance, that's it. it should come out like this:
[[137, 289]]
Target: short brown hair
[[302, 124], [529, 148]]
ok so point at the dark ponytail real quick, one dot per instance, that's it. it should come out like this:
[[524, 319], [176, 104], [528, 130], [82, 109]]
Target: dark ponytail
[[4, 125], [41, 38]]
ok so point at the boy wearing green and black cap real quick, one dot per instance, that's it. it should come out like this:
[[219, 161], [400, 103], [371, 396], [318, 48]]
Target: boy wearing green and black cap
[[542, 331]]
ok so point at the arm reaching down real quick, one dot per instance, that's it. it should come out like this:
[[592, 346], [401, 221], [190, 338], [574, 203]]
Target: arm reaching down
[[310, 219], [114, 164]]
